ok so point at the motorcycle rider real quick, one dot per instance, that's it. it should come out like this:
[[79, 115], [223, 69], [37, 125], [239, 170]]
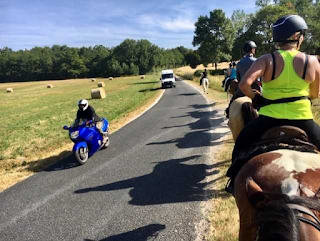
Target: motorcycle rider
[[88, 113]]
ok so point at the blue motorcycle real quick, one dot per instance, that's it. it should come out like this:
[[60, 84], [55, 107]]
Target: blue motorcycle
[[87, 139]]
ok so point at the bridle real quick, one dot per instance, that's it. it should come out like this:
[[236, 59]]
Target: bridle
[[303, 210]]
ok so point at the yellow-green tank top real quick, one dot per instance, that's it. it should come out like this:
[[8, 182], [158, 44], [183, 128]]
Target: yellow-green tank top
[[287, 84]]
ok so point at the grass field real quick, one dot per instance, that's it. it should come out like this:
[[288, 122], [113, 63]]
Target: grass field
[[33, 115]]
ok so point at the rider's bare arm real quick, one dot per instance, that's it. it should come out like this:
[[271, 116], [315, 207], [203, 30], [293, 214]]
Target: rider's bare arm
[[256, 70], [315, 85]]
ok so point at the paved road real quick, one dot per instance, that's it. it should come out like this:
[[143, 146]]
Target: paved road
[[148, 185]]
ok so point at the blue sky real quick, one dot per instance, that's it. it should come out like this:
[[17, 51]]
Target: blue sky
[[28, 23]]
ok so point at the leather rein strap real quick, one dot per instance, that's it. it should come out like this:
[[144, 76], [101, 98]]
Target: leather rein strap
[[304, 210]]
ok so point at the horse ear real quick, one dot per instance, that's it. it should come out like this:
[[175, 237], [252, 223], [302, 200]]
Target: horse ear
[[255, 193]]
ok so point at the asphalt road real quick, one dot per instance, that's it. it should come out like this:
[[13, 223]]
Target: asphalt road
[[148, 185]]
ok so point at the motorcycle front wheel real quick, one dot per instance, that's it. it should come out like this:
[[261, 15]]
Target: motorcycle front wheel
[[82, 155], [107, 143]]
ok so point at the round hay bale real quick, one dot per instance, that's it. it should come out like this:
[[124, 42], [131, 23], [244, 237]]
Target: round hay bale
[[98, 93], [9, 90], [143, 77], [110, 78], [93, 80], [101, 84], [49, 86]]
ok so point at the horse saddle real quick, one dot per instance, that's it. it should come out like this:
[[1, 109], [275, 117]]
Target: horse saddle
[[281, 137]]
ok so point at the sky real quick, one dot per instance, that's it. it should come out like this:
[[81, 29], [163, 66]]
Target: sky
[[25, 24]]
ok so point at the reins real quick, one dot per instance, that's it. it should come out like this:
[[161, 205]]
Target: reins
[[303, 210]]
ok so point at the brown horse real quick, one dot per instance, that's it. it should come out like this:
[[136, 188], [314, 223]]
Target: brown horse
[[277, 192]]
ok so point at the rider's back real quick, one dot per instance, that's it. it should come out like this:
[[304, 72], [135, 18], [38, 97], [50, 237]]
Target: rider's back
[[244, 64], [298, 66], [287, 82]]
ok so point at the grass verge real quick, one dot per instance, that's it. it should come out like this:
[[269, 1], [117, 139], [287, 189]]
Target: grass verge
[[33, 115]]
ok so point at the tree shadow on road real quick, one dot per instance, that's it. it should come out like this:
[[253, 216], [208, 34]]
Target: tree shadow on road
[[139, 234], [172, 181]]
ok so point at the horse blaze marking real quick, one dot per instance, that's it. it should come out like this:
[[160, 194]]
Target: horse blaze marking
[[296, 162]]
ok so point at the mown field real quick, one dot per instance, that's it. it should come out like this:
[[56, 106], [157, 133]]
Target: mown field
[[33, 115]]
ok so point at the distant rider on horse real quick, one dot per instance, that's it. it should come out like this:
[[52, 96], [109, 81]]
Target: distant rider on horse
[[204, 74], [242, 67]]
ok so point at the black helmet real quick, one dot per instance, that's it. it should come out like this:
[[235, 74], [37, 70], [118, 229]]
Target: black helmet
[[248, 46], [286, 26]]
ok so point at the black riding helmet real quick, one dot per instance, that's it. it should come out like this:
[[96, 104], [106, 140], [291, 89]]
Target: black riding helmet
[[286, 26], [248, 46]]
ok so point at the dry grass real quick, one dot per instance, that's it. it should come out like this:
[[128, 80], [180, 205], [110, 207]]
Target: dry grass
[[188, 69], [223, 215]]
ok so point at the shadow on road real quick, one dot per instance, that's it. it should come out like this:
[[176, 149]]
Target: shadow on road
[[145, 83], [204, 134], [139, 234], [172, 181], [67, 162], [152, 89], [64, 160], [189, 94]]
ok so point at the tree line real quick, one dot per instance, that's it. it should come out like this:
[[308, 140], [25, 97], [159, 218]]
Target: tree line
[[131, 57], [220, 38]]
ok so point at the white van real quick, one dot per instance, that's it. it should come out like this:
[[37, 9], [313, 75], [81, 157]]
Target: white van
[[167, 78]]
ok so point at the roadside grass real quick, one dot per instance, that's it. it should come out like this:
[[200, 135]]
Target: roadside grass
[[33, 115], [223, 216]]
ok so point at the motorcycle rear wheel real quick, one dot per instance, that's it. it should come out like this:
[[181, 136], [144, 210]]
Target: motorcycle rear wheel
[[82, 155]]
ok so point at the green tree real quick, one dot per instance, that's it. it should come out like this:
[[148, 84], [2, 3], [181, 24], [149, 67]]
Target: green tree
[[260, 30], [193, 59], [263, 3], [214, 35]]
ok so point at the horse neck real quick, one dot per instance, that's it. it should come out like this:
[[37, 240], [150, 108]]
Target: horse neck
[[241, 112], [308, 233]]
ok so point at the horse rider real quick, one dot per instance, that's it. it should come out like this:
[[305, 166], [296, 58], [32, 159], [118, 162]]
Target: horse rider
[[204, 74], [233, 76], [289, 79], [87, 112], [243, 65], [227, 74]]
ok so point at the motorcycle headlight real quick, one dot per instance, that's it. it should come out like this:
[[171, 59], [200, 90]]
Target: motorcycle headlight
[[74, 135]]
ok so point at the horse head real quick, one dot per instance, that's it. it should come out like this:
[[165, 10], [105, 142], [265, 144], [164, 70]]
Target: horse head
[[277, 194], [241, 112]]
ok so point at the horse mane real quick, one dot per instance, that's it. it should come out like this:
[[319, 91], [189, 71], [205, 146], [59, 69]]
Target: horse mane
[[276, 221], [248, 112]]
